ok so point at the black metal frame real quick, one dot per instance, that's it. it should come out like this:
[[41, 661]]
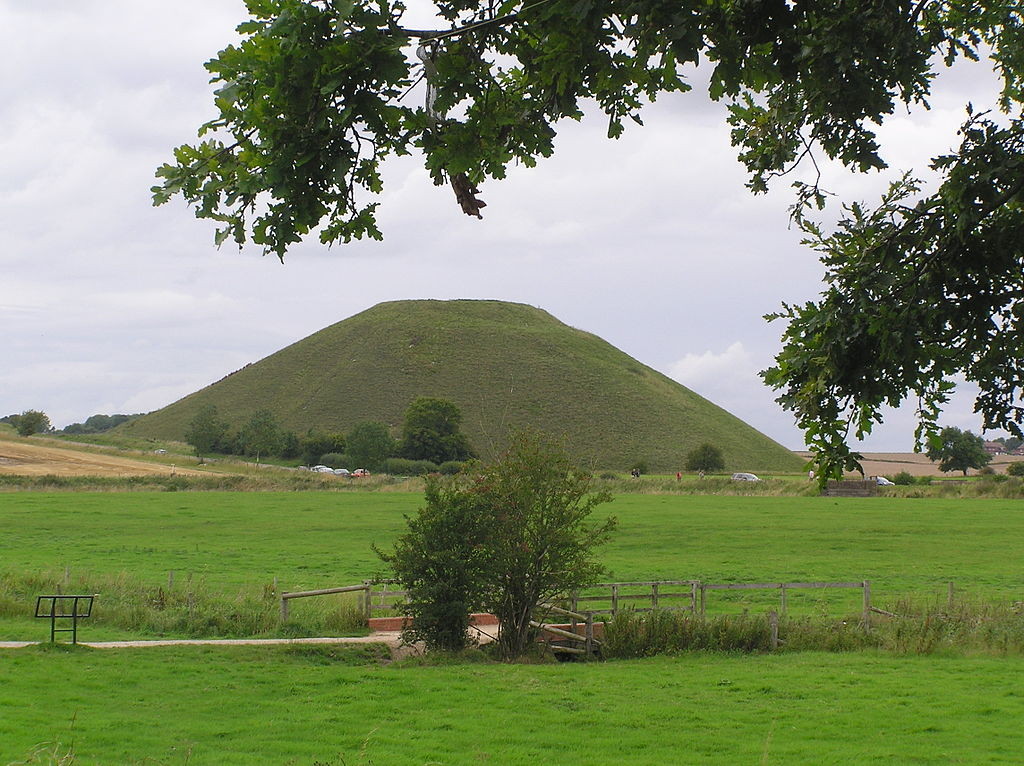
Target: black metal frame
[[57, 611]]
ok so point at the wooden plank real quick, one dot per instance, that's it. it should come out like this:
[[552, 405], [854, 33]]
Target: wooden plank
[[322, 591]]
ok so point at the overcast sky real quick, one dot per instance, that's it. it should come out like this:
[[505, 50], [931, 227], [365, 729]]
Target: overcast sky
[[109, 305]]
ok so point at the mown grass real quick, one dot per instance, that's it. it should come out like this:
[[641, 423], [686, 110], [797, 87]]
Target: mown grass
[[244, 705]]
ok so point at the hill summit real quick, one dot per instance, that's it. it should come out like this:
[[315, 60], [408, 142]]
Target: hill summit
[[506, 366]]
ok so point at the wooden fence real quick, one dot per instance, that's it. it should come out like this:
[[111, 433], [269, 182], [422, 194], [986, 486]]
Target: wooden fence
[[688, 595]]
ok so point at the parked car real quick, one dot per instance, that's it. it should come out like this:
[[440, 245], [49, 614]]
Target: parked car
[[341, 472], [360, 472], [744, 477], [322, 469], [881, 481]]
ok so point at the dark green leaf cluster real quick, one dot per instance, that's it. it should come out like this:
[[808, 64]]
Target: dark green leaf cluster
[[431, 432], [502, 538], [958, 450], [918, 293], [705, 457]]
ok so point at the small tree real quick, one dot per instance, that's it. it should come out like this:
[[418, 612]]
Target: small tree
[[1015, 469], [261, 435], [369, 444], [505, 538], [206, 430], [431, 432], [958, 450], [32, 422], [705, 458]]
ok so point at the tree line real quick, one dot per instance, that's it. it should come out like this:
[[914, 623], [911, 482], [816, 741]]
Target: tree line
[[430, 436]]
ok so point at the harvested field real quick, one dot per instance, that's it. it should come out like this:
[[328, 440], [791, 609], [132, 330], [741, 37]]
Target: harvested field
[[28, 457], [890, 463]]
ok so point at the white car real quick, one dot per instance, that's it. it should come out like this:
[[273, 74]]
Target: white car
[[744, 477], [341, 472], [881, 481], [322, 469]]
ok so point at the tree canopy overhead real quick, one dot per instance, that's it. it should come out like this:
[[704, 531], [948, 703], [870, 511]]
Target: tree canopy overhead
[[922, 287]]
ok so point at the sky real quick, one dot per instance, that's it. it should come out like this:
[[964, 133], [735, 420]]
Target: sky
[[652, 242]]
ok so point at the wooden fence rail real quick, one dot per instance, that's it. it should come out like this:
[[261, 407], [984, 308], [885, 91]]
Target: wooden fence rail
[[377, 596]]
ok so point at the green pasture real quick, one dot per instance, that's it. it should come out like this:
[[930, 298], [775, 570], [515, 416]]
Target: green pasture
[[242, 548], [248, 705], [311, 540]]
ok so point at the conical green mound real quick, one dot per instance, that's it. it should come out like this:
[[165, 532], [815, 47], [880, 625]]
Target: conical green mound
[[506, 365]]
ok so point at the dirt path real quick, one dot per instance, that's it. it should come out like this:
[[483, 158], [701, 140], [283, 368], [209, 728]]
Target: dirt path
[[392, 640]]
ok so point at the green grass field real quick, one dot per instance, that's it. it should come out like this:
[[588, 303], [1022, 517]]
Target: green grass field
[[253, 705], [310, 539], [302, 705], [233, 542]]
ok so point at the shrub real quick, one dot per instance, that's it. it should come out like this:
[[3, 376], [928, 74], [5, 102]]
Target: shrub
[[1015, 469], [400, 466], [452, 467], [706, 457], [334, 460], [903, 478]]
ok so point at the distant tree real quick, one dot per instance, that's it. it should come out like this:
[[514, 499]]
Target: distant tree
[[1015, 469], [1010, 444], [260, 435], [705, 458], [369, 444], [431, 432], [206, 430], [96, 424], [958, 450], [315, 444], [32, 422], [290, 445]]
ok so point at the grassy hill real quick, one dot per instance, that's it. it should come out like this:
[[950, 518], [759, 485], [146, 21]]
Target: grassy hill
[[505, 365]]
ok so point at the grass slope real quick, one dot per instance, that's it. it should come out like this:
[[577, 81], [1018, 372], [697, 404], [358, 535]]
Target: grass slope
[[504, 364]]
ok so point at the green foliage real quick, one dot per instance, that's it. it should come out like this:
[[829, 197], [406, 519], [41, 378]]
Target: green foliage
[[317, 443], [369, 445], [431, 432], [1015, 469], [332, 460], [958, 450], [903, 478], [503, 537], [261, 435], [705, 457], [31, 422], [96, 424], [400, 466], [206, 431], [450, 467]]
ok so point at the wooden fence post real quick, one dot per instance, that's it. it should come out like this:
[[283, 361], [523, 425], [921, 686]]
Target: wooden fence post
[[588, 634], [693, 597], [284, 608], [654, 595], [703, 599], [773, 623], [782, 598], [867, 605], [615, 599]]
